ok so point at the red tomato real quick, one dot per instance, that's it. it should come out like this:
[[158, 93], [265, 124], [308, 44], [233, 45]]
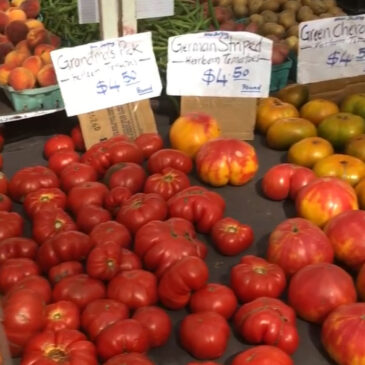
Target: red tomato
[[126, 335], [18, 327], [62, 315], [1, 161], [343, 333], [115, 198], [205, 335], [124, 151], [56, 143], [231, 237], [38, 284], [126, 174], [89, 216], [285, 180], [317, 289], [162, 243], [133, 358], [77, 138], [360, 282], [11, 225], [5, 203], [297, 242], [111, 231], [100, 314], [129, 260], [198, 205], [202, 363], [177, 282], [29, 179], [140, 209], [157, 322], [168, 157], [263, 355], [3, 183], [44, 197], [17, 247], [214, 298], [135, 288], [255, 277], [98, 156], [76, 173], [87, 193], [63, 270], [48, 222], [66, 246], [80, 289], [60, 159], [166, 183], [149, 143], [64, 346], [13, 270], [269, 321], [103, 261]]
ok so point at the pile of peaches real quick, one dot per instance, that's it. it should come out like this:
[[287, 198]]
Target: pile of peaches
[[25, 46]]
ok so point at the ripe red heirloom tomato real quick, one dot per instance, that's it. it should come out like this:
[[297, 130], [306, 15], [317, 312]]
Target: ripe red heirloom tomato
[[5, 203], [89, 216], [132, 358], [3, 183], [11, 225], [111, 231], [17, 247], [168, 157], [115, 198], [62, 315], [77, 138], [129, 260], [76, 173], [60, 159], [149, 143], [56, 143], [64, 269]]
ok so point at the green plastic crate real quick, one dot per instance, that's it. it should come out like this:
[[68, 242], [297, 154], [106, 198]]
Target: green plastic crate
[[280, 75], [293, 70], [41, 98]]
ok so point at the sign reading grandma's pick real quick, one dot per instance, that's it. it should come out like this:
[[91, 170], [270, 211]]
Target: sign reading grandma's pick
[[230, 64], [331, 48], [107, 73]]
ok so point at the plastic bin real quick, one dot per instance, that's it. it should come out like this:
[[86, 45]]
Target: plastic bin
[[280, 75], [293, 69]]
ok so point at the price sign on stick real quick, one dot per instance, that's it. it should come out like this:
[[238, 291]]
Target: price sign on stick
[[331, 49], [107, 73], [230, 64]]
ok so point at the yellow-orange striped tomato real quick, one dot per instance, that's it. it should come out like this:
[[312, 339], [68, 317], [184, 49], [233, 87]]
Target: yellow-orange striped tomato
[[190, 131], [324, 198], [226, 161]]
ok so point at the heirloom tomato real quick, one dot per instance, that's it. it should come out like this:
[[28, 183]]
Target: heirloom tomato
[[296, 94], [285, 180], [262, 355], [202, 363], [356, 147], [297, 242], [60, 159], [168, 157], [149, 143], [125, 335], [66, 346], [160, 244], [80, 289], [204, 335], [76, 173], [115, 198], [190, 131], [77, 138], [324, 198], [13, 247], [3, 183], [254, 277], [346, 233], [351, 102], [269, 321], [360, 192], [100, 314], [317, 289], [343, 334], [214, 297], [129, 260], [124, 151], [5, 203], [347, 168], [318, 109], [89, 216], [230, 237], [132, 358], [29, 179], [271, 109], [97, 156], [62, 315], [157, 322], [64, 269], [111, 231], [56, 143], [225, 161], [177, 282], [11, 225], [140, 209], [1, 161]]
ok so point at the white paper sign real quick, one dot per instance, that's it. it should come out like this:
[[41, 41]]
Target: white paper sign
[[154, 8], [331, 48], [103, 74], [230, 64]]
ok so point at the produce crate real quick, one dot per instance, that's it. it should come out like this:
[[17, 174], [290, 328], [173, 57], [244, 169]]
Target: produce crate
[[42, 98], [293, 69], [280, 75]]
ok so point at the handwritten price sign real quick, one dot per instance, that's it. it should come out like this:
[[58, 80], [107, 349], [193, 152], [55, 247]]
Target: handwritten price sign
[[331, 48], [230, 64], [108, 73]]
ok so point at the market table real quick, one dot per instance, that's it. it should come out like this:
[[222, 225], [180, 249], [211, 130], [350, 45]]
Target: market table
[[25, 140]]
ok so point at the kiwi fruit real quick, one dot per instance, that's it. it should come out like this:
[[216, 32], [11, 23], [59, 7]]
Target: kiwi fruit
[[287, 18], [269, 16], [254, 6], [293, 30], [273, 28], [292, 5], [257, 19], [304, 13], [272, 5]]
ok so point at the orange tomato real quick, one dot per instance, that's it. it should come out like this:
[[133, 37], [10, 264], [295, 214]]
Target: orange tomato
[[360, 192], [356, 147], [318, 109]]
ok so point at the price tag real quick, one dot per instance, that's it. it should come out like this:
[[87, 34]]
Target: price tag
[[107, 73], [331, 49], [230, 64]]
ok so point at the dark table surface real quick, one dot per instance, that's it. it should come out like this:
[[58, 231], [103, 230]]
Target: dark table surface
[[24, 147]]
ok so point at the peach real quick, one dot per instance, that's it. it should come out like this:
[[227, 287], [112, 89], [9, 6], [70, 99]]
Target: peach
[[4, 5], [34, 23], [4, 74], [33, 64], [54, 39], [16, 14], [31, 8], [23, 46], [3, 38], [43, 50], [20, 78], [37, 36], [5, 48], [4, 20], [16, 3], [47, 76], [15, 58], [16, 31]]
